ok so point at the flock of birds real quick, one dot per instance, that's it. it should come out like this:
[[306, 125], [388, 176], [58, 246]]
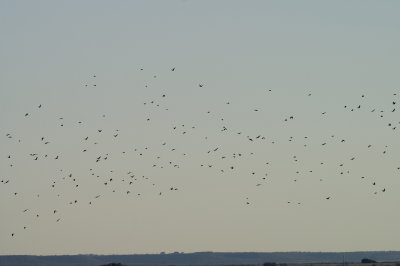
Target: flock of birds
[[169, 156]]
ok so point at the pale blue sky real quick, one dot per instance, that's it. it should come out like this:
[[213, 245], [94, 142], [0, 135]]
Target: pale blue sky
[[336, 51]]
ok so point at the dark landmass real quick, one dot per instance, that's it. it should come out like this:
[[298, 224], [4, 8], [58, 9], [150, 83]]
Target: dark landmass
[[382, 258], [365, 260]]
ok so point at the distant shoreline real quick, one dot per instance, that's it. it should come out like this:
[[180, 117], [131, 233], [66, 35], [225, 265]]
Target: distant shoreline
[[382, 258]]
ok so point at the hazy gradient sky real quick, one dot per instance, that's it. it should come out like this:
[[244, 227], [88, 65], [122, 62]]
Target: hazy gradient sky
[[259, 61]]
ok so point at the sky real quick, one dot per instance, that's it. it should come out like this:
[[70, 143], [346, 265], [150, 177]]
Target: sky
[[163, 126]]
